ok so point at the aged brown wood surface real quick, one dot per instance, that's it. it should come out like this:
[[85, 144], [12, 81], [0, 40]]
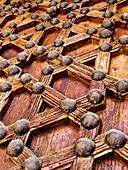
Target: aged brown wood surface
[[94, 37]]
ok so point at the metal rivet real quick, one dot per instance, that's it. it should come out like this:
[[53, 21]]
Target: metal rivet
[[3, 131], [22, 56], [58, 43], [21, 127], [48, 69], [6, 86], [38, 87], [68, 105], [115, 138], [98, 75], [84, 147], [92, 31], [53, 54], [13, 70], [13, 37], [39, 27], [105, 47], [15, 148], [55, 21], [21, 11], [71, 15], [106, 33], [46, 18], [32, 163], [66, 60], [108, 14], [63, 4], [95, 96], [122, 85], [40, 50], [4, 64], [67, 25], [107, 23], [75, 6], [123, 39], [29, 44], [84, 10], [25, 78], [35, 16], [125, 16], [90, 120]]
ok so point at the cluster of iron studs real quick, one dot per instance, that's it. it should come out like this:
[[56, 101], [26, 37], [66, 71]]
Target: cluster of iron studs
[[84, 147], [16, 147]]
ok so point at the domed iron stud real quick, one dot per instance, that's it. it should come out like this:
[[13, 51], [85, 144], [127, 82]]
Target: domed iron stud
[[68, 105], [84, 147]]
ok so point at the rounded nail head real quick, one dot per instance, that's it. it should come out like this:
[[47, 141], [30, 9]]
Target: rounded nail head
[[48, 69], [90, 120], [55, 21], [67, 25], [13, 25], [84, 147], [75, 6], [15, 148], [22, 56], [106, 33], [50, 10], [21, 11], [71, 15], [98, 75], [3, 131], [77, 1], [92, 31], [6, 86], [63, 4], [4, 64], [95, 96], [111, 1], [123, 39], [68, 105], [3, 13], [14, 10], [38, 88], [40, 27], [13, 37], [58, 43], [105, 47], [21, 127], [40, 50], [125, 16], [46, 18], [29, 44], [122, 86], [35, 16], [33, 163], [115, 138], [13, 70], [84, 10], [108, 14], [5, 34], [53, 3], [107, 23], [66, 60], [53, 54], [25, 78], [7, 8], [27, 5], [39, 1]]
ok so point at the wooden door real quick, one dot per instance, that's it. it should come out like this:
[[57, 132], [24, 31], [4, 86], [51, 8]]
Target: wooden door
[[64, 84]]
